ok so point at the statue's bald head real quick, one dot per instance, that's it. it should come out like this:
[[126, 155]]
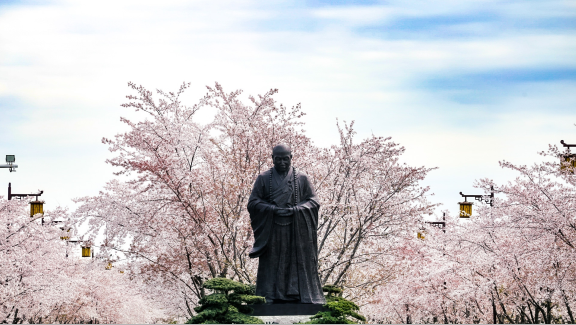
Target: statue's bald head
[[282, 157], [281, 149]]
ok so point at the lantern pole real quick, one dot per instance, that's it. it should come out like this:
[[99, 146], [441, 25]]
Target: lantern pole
[[489, 199], [439, 224], [567, 145], [568, 156], [10, 195]]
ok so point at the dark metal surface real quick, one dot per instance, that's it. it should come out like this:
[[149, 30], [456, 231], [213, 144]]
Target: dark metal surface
[[567, 145], [10, 195], [488, 199], [437, 224]]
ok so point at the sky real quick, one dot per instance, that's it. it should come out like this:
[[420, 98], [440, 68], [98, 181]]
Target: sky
[[460, 84]]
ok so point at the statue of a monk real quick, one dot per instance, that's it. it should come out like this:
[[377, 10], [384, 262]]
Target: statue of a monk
[[284, 215]]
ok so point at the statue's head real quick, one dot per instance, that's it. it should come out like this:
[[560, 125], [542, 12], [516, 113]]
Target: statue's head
[[282, 157]]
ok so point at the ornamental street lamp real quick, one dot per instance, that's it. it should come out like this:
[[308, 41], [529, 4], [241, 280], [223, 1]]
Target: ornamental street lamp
[[466, 207], [568, 160], [438, 224], [10, 159], [35, 206]]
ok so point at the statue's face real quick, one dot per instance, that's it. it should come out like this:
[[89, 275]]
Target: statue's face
[[282, 161]]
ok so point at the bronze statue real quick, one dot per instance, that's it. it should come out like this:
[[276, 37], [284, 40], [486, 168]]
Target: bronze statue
[[284, 215]]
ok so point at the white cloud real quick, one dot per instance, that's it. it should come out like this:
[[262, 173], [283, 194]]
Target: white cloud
[[69, 63]]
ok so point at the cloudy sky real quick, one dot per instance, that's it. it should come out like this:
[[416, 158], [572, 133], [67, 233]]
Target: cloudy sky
[[461, 84]]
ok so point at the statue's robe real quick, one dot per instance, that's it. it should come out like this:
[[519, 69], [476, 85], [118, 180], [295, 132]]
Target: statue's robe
[[287, 247]]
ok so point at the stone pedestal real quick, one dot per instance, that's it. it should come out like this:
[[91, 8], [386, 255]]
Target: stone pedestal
[[286, 313], [294, 319]]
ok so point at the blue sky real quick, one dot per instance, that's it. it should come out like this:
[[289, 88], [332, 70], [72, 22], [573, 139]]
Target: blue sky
[[461, 84]]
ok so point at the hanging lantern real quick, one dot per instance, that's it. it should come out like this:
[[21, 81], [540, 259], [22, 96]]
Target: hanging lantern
[[571, 160], [465, 209], [36, 207], [86, 251], [65, 236], [421, 235], [109, 266]]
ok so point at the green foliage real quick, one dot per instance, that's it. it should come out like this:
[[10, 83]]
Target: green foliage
[[331, 289], [227, 305], [340, 310]]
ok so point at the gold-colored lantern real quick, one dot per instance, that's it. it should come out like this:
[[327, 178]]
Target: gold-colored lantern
[[85, 251], [571, 160], [421, 235], [109, 266], [36, 207], [465, 209], [66, 236]]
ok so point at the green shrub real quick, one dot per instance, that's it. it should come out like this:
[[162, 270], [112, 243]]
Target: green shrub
[[227, 303], [340, 310]]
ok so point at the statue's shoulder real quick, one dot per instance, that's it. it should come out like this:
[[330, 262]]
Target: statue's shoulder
[[301, 174], [265, 173]]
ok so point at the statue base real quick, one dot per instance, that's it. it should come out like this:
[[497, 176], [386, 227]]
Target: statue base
[[287, 309], [286, 313], [293, 319]]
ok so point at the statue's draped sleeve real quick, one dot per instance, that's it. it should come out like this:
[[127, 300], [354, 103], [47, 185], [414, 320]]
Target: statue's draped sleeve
[[261, 216], [306, 227]]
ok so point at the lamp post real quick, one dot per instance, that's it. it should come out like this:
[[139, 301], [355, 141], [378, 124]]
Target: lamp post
[[569, 158], [10, 195], [567, 145], [35, 206], [438, 224], [466, 207], [10, 159]]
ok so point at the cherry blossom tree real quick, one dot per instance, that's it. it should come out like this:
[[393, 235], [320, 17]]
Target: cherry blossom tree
[[30, 263], [370, 201], [509, 263], [181, 218], [40, 284]]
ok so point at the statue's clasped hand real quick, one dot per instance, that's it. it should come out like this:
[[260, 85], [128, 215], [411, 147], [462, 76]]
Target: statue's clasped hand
[[284, 212]]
